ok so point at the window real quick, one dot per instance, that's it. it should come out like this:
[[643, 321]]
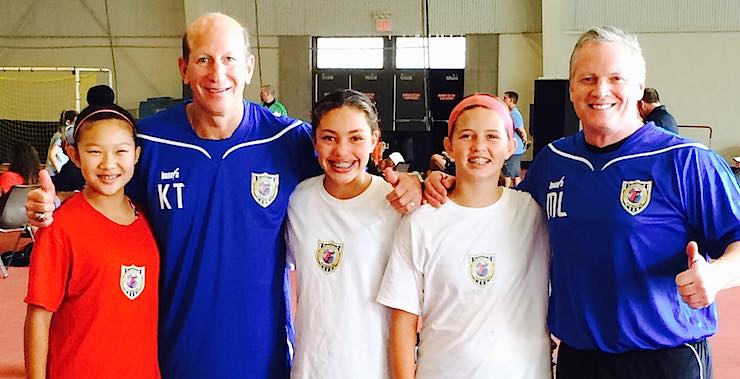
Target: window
[[444, 52], [349, 52]]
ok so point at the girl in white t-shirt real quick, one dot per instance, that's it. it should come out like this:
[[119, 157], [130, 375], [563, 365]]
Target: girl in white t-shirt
[[339, 233], [475, 270]]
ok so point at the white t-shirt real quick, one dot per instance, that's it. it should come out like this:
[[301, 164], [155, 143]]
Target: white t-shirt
[[340, 249], [478, 278]]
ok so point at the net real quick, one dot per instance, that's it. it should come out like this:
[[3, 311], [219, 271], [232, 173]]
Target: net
[[30, 104]]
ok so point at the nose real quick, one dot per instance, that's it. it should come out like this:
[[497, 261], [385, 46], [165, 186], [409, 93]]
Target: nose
[[108, 161], [217, 69], [602, 88], [342, 147]]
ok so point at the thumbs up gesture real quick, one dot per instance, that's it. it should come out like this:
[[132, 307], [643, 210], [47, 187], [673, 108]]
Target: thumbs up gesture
[[696, 284], [406, 194], [40, 202]]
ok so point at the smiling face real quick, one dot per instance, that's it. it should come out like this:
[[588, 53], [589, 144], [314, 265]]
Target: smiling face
[[218, 66], [343, 143], [106, 154], [605, 86], [479, 144]]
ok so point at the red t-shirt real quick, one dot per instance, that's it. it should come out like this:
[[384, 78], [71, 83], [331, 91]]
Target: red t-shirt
[[101, 281], [8, 179]]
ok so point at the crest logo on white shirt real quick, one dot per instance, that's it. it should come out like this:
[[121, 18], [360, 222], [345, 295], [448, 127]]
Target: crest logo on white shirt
[[635, 195], [133, 279], [329, 255], [265, 188], [481, 269]]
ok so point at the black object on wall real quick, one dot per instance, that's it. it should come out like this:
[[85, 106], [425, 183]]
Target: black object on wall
[[553, 116]]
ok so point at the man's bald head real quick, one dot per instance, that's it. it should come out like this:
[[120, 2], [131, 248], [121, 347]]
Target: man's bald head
[[208, 22]]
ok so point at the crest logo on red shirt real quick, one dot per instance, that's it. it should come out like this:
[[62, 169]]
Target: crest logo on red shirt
[[133, 279]]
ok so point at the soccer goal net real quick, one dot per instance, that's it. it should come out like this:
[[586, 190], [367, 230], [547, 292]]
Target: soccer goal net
[[32, 98]]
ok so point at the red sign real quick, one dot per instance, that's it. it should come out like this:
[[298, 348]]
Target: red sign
[[383, 25], [411, 96], [446, 96]]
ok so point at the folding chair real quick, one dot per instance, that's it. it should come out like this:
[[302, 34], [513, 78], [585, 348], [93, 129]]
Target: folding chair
[[13, 218]]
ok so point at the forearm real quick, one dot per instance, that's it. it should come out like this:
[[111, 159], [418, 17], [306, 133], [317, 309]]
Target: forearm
[[522, 133], [402, 344], [727, 267], [36, 341]]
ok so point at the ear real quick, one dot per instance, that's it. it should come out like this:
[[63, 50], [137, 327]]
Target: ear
[[73, 155], [250, 68], [182, 64], [511, 148], [570, 90], [447, 142], [137, 153], [374, 138]]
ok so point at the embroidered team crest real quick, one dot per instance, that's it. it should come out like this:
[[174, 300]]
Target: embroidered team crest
[[329, 255], [481, 269], [133, 279], [265, 188], [635, 195]]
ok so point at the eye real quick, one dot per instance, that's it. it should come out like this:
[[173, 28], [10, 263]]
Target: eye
[[202, 60], [122, 151], [619, 79], [357, 138], [465, 136], [328, 138], [588, 79], [231, 59], [93, 151]]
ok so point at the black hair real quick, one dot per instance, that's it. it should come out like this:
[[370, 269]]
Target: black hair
[[100, 95], [345, 98], [24, 161], [94, 113], [650, 96], [513, 96], [68, 115]]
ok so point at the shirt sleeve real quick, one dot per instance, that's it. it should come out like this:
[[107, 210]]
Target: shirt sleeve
[[50, 268], [289, 247], [402, 285], [305, 152], [712, 200]]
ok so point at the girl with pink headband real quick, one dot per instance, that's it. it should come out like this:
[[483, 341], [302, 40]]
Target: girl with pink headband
[[475, 270]]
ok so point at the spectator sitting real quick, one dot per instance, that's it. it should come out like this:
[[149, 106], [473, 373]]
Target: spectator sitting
[[56, 157], [24, 167]]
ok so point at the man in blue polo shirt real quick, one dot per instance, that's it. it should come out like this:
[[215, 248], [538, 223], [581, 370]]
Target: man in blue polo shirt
[[634, 214], [214, 178], [623, 200]]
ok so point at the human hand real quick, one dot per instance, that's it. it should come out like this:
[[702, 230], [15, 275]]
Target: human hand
[[406, 194], [436, 185], [697, 285], [40, 202]]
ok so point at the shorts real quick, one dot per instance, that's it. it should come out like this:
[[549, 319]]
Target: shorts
[[513, 166], [691, 360]]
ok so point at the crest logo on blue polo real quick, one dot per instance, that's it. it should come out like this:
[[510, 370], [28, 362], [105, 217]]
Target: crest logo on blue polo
[[329, 255], [635, 195], [133, 279], [481, 269], [265, 188]]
